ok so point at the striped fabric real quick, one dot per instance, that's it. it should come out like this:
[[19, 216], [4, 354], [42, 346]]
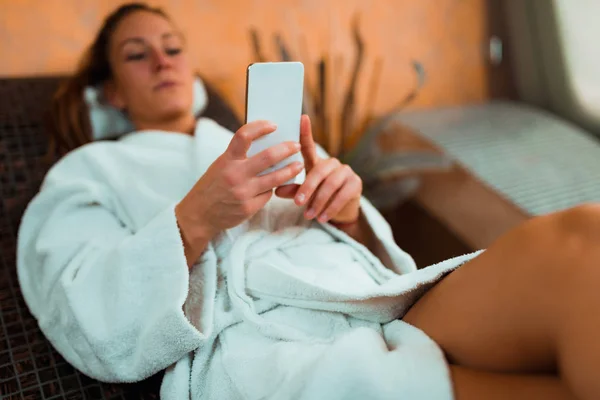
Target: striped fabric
[[536, 160]]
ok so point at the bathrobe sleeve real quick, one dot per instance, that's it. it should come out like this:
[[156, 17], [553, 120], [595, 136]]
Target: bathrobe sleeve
[[108, 299]]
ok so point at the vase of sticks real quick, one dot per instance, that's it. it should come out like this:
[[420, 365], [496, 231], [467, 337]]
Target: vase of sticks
[[358, 137]]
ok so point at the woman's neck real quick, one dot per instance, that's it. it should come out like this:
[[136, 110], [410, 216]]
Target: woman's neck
[[183, 124]]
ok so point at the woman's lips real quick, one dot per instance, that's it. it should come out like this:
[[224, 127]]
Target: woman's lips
[[165, 84]]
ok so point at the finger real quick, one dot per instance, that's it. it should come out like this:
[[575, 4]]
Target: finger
[[349, 192], [309, 148], [276, 178], [256, 203], [314, 179], [242, 139], [287, 191], [326, 190], [269, 157]]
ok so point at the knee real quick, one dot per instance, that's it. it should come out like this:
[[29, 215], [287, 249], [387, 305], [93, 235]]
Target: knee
[[581, 223], [557, 246], [574, 230]]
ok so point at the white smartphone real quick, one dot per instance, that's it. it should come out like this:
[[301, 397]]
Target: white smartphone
[[274, 93]]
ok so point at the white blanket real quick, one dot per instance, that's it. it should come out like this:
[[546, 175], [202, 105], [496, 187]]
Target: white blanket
[[276, 308]]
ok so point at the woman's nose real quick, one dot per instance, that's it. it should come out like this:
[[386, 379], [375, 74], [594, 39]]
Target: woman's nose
[[161, 60]]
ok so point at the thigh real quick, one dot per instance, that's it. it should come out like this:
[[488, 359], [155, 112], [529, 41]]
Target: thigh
[[499, 312], [470, 384]]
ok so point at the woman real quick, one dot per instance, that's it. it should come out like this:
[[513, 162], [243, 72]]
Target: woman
[[105, 247]]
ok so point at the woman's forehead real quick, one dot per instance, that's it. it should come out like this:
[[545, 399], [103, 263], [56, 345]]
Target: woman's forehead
[[143, 25]]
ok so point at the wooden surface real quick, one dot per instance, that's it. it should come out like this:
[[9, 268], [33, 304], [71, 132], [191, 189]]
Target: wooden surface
[[467, 208], [474, 212], [422, 235], [452, 214]]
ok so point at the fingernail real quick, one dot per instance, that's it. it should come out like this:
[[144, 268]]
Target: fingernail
[[297, 146], [323, 218], [300, 198], [272, 126], [311, 213]]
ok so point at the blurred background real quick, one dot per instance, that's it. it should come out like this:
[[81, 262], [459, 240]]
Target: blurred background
[[449, 37]]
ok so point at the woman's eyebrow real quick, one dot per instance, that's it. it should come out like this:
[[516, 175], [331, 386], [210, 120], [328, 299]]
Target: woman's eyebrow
[[138, 40], [171, 34]]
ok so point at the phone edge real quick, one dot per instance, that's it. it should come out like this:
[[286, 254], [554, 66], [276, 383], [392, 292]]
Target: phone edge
[[246, 100]]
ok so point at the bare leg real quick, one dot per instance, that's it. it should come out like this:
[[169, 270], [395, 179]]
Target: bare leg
[[530, 304], [470, 384]]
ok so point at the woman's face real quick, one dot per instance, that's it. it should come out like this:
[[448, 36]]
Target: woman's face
[[152, 78]]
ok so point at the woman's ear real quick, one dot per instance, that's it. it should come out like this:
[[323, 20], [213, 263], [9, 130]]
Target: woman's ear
[[112, 95]]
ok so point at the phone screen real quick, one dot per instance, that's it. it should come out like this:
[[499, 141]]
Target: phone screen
[[274, 93]]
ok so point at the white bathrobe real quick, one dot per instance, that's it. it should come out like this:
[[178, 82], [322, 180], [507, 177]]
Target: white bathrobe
[[276, 308]]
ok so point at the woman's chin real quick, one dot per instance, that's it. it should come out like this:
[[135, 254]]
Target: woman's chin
[[174, 111], [171, 104]]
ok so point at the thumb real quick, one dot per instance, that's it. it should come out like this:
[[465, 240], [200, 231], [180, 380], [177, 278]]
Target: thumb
[[287, 191]]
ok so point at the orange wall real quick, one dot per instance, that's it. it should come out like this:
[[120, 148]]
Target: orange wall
[[446, 36]]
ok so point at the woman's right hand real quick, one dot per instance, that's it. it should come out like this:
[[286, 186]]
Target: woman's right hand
[[231, 191]]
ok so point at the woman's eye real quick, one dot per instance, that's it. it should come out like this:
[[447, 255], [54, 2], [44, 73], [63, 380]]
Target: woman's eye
[[135, 56], [173, 51]]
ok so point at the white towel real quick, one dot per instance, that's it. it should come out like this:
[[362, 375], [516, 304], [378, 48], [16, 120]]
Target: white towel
[[276, 308]]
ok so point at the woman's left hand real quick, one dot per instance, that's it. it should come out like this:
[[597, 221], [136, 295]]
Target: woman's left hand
[[331, 190]]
